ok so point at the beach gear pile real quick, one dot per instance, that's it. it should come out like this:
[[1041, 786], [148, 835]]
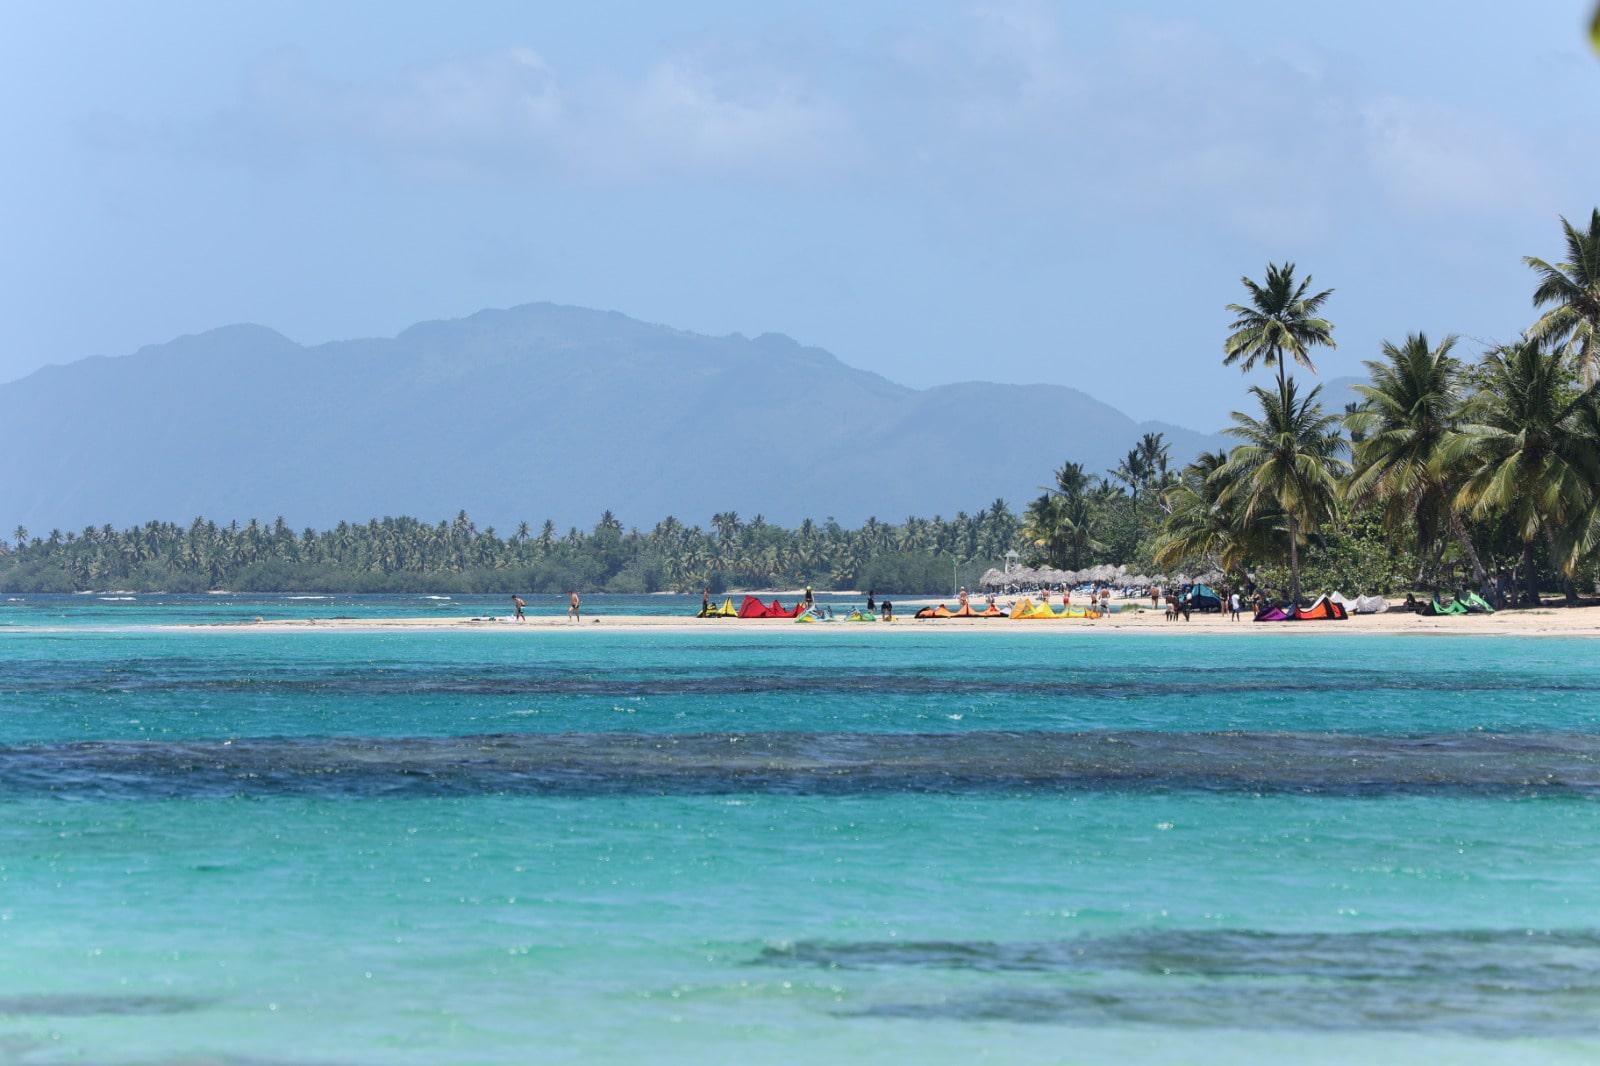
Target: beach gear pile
[[1472, 604], [1361, 604], [750, 608], [1023, 608], [1325, 609], [810, 615], [942, 611], [754, 608]]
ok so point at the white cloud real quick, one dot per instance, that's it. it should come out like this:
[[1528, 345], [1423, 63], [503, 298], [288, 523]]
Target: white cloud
[[507, 113], [683, 115], [1429, 157], [1154, 116], [1166, 117]]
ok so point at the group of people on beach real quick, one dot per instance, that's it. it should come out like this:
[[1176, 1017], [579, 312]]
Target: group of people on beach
[[574, 607], [1181, 605]]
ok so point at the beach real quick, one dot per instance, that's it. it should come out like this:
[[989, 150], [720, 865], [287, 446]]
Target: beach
[[1532, 622]]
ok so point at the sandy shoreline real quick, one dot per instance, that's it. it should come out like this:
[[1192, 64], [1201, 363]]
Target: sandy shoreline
[[1545, 621]]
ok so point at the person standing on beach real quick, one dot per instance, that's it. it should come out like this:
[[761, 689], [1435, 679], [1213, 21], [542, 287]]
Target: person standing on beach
[[1234, 604], [574, 607], [963, 595], [705, 602], [809, 598], [517, 605], [871, 606]]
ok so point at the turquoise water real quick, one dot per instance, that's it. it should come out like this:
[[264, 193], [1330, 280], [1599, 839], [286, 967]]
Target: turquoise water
[[578, 846], [122, 609]]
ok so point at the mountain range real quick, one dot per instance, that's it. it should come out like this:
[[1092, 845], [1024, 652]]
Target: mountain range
[[527, 413]]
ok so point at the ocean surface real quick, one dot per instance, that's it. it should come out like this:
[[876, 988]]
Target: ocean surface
[[808, 845]]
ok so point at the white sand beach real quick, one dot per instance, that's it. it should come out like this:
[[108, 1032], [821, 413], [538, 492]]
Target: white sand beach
[[1536, 622]]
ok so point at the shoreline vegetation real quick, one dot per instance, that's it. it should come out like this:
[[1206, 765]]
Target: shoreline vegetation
[[1450, 472]]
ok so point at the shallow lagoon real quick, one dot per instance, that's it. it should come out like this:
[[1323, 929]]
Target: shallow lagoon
[[284, 919]]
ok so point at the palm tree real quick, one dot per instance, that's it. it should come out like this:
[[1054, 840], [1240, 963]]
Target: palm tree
[[1398, 428], [1155, 455], [1204, 522], [1528, 450], [1131, 471], [1572, 286], [1071, 480], [1289, 459], [1063, 527], [1281, 320]]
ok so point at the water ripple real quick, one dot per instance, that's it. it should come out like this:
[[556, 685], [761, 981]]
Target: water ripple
[[1495, 984], [817, 763]]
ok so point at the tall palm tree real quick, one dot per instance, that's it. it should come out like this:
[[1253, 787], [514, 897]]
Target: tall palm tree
[[1527, 450], [1288, 458], [1572, 288], [1281, 321], [1405, 415]]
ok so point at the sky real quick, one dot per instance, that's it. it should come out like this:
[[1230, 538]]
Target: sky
[[1019, 192]]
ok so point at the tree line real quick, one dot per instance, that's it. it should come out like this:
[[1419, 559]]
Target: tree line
[[404, 554], [1449, 468], [1484, 470]]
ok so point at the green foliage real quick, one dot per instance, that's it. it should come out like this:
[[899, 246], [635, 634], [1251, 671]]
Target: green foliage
[[403, 554], [1571, 290], [1083, 520], [1457, 469], [1358, 558], [1287, 462], [1281, 320]]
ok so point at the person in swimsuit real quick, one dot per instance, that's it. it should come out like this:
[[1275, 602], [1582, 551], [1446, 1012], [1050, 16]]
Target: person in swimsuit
[[963, 597], [705, 603], [574, 607], [871, 606], [517, 605]]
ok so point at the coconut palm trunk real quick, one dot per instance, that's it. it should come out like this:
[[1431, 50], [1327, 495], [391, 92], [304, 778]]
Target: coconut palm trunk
[[1458, 529], [1530, 583], [1294, 561], [1569, 591]]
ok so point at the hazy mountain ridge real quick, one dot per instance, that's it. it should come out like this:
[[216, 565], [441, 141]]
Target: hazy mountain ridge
[[532, 412]]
